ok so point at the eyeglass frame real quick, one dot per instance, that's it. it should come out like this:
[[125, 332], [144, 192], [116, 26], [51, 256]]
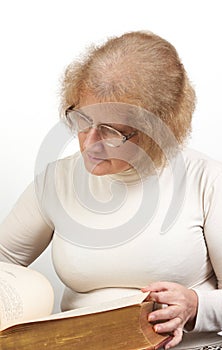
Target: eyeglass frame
[[93, 125]]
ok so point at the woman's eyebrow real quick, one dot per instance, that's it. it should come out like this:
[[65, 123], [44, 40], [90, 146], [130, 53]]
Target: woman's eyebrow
[[124, 129], [119, 126]]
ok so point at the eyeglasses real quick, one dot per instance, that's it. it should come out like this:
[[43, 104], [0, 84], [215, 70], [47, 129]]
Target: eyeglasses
[[81, 123]]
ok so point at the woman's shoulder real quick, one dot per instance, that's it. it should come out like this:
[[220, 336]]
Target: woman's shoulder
[[195, 156], [201, 163], [58, 171], [61, 165], [65, 164]]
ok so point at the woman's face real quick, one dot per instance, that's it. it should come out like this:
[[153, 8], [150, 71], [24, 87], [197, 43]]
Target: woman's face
[[99, 158]]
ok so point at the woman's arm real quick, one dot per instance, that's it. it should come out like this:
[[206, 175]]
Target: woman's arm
[[195, 310], [209, 316], [24, 233]]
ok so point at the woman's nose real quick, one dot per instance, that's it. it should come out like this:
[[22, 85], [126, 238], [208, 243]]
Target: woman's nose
[[92, 139]]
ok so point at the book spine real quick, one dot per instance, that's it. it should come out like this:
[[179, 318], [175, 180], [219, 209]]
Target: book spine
[[156, 340]]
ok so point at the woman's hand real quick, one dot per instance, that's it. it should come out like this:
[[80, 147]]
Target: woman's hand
[[181, 309]]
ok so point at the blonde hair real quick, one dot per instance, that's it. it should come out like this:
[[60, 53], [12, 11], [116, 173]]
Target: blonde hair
[[138, 68]]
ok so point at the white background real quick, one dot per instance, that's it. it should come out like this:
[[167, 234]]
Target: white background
[[40, 37]]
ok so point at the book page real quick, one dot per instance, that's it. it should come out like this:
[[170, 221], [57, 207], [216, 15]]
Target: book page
[[24, 294], [134, 299]]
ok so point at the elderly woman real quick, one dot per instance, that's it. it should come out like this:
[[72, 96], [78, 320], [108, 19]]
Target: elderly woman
[[134, 209]]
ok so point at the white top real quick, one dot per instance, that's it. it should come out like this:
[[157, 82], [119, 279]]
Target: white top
[[113, 234]]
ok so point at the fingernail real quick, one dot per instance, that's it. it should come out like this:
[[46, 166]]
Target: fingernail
[[151, 318], [157, 328]]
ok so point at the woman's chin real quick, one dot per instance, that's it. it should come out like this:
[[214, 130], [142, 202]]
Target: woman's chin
[[100, 168]]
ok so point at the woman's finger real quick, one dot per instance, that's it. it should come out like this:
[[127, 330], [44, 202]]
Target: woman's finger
[[166, 297], [177, 337], [159, 286], [166, 313], [168, 326]]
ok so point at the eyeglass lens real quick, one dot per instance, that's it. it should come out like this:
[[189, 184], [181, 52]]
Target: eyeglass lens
[[82, 124]]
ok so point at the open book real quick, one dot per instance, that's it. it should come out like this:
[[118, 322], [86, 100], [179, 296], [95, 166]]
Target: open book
[[26, 322]]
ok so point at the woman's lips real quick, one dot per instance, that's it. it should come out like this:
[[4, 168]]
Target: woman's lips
[[94, 159]]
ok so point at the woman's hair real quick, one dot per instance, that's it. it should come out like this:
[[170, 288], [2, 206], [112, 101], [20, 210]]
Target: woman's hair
[[138, 68]]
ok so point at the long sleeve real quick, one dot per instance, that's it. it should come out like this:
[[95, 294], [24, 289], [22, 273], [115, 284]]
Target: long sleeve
[[209, 317], [25, 233]]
